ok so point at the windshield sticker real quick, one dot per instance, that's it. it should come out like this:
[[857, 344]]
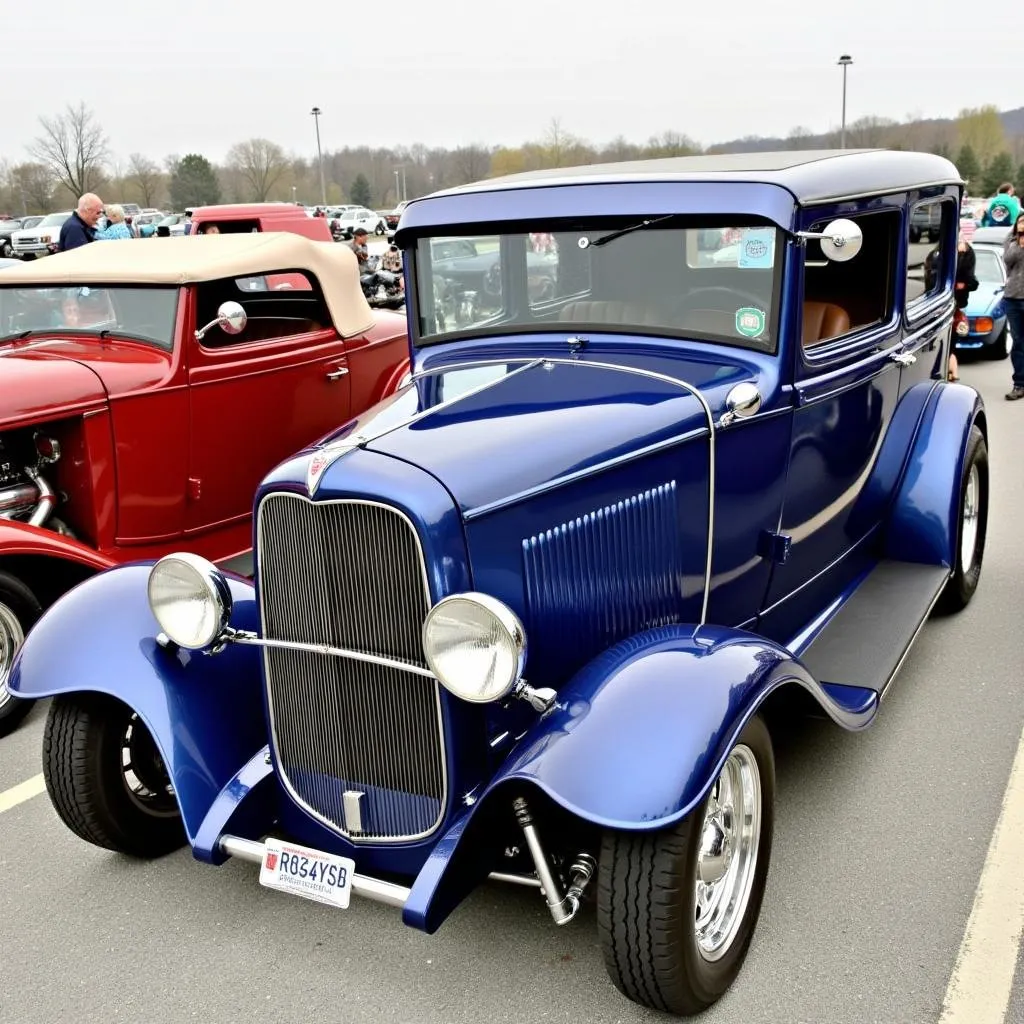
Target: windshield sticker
[[757, 249], [750, 322]]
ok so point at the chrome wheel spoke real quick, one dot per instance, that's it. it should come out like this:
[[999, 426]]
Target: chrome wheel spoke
[[727, 857], [11, 638]]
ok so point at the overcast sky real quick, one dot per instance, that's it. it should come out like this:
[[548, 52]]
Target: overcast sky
[[198, 75]]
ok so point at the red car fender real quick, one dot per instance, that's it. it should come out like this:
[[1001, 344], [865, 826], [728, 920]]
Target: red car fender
[[18, 538], [395, 380]]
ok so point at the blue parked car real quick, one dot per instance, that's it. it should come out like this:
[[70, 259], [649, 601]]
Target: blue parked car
[[532, 617], [986, 327]]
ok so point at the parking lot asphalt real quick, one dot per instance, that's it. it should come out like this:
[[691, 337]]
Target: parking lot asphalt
[[881, 839]]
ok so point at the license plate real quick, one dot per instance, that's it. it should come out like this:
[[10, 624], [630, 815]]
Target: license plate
[[312, 874]]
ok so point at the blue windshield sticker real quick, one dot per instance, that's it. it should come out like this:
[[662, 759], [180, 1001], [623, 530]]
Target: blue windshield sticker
[[757, 249]]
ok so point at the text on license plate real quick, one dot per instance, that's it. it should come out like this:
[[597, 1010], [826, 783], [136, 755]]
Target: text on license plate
[[302, 871]]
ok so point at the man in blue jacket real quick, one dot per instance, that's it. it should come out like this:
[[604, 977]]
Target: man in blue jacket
[[80, 227]]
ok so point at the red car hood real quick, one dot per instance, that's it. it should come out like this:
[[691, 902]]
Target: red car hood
[[35, 384]]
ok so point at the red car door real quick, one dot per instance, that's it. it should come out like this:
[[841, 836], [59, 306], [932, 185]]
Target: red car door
[[255, 398]]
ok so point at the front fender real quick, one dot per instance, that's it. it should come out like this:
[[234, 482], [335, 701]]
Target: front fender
[[17, 538], [925, 516], [634, 742], [205, 712]]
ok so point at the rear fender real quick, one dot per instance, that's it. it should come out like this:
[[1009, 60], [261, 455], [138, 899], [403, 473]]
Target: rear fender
[[17, 538], [635, 741], [205, 712], [923, 524]]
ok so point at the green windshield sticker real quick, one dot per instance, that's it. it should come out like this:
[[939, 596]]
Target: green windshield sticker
[[750, 322]]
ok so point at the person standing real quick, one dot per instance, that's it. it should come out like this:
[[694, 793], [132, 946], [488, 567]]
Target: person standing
[[117, 228], [965, 282], [1003, 209], [1013, 299], [80, 228]]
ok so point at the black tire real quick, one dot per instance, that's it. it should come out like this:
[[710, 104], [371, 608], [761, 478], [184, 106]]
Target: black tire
[[17, 601], [647, 904], [6, 249], [960, 587], [83, 749], [915, 236], [380, 229], [998, 349]]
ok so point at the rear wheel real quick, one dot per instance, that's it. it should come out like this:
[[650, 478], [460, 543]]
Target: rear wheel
[[106, 778], [19, 611], [971, 527], [677, 908]]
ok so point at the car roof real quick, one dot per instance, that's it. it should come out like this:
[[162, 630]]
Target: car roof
[[190, 259], [812, 176], [994, 235]]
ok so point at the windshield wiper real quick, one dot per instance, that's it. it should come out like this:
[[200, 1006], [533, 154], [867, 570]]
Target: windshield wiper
[[605, 239]]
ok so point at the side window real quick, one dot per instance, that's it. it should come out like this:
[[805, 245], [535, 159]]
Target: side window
[[278, 304], [929, 255], [841, 298]]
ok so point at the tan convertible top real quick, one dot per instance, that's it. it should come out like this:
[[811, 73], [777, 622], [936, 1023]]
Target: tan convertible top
[[189, 259]]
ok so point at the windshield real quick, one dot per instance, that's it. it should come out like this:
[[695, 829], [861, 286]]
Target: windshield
[[704, 279], [144, 313], [988, 266]]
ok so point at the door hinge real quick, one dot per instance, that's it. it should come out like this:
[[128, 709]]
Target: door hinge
[[774, 546], [195, 488]]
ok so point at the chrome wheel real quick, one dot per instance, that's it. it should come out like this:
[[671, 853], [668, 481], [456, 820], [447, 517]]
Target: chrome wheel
[[969, 520], [727, 858], [144, 774], [12, 636]]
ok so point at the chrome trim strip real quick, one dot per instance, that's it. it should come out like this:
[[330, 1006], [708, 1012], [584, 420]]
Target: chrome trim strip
[[285, 781], [651, 375], [362, 885], [334, 652]]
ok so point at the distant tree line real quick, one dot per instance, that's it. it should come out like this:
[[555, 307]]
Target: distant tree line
[[72, 155]]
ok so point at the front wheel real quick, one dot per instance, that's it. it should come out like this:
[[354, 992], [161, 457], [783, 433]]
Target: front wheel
[[972, 527], [381, 228], [106, 778], [677, 908], [19, 610]]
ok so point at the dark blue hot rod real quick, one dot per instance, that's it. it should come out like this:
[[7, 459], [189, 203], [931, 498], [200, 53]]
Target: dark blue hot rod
[[528, 618]]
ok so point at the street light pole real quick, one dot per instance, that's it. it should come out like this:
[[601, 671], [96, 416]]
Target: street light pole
[[844, 62], [316, 112]]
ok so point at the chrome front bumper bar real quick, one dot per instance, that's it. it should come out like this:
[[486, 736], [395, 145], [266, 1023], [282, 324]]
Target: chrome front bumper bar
[[362, 885]]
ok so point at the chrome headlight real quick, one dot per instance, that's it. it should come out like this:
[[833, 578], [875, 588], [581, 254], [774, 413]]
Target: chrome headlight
[[475, 645], [190, 598]]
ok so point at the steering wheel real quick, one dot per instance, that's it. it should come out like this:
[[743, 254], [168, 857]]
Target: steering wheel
[[748, 298]]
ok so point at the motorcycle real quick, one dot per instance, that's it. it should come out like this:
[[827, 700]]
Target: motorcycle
[[382, 288]]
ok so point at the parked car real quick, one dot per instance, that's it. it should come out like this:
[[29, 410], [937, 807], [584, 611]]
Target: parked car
[[985, 328], [234, 218], [531, 616], [7, 228], [394, 217], [351, 218], [170, 221], [148, 388], [40, 239], [925, 224], [144, 224]]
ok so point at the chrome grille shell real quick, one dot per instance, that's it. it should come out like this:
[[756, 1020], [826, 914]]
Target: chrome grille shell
[[350, 575]]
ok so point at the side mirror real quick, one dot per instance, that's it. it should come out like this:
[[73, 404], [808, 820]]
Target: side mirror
[[743, 400], [231, 319], [840, 241]]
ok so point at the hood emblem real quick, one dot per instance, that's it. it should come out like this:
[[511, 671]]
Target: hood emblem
[[321, 460]]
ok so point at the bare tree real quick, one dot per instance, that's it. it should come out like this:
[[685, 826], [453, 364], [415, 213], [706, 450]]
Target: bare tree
[[73, 146], [260, 164], [34, 184], [146, 177], [471, 163]]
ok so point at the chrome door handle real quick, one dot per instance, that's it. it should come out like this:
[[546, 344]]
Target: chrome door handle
[[904, 358], [337, 374]]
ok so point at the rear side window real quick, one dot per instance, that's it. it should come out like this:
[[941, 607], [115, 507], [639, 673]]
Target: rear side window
[[931, 252]]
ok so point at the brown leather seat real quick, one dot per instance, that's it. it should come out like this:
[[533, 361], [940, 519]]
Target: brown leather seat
[[609, 311], [823, 320]]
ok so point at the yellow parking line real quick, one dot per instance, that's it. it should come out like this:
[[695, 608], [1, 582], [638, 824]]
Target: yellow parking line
[[22, 792], [980, 986]]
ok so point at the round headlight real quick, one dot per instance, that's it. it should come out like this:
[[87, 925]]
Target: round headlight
[[190, 599], [475, 645]]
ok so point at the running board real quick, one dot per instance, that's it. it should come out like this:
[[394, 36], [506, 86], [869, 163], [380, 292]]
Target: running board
[[865, 643]]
